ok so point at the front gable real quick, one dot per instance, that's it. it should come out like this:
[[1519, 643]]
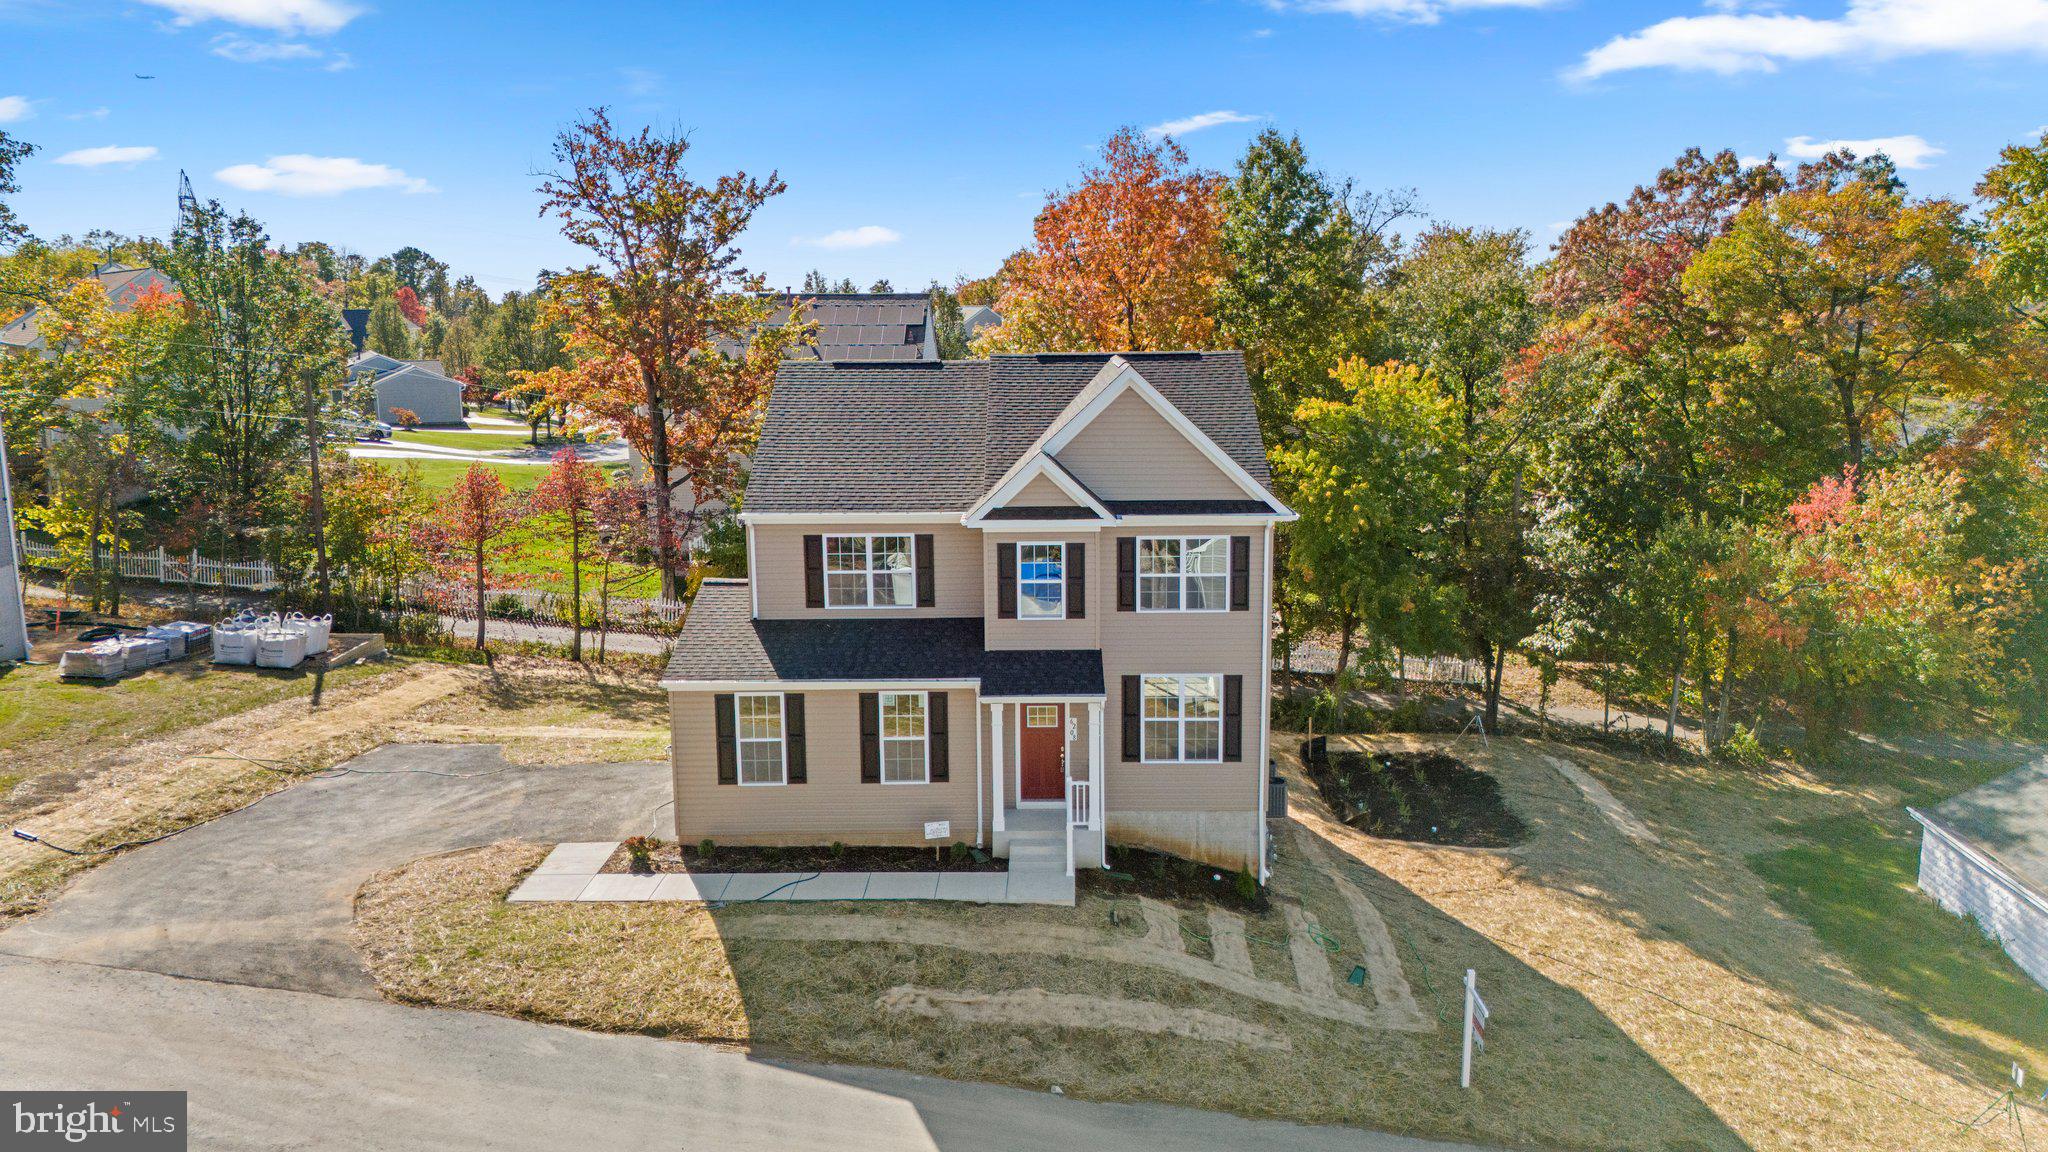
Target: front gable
[[1130, 451]]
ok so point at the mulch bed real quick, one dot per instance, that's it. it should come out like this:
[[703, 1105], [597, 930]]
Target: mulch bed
[[670, 857], [1138, 872], [1426, 797]]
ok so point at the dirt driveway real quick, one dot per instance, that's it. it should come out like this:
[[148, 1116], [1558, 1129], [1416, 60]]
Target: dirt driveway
[[265, 896]]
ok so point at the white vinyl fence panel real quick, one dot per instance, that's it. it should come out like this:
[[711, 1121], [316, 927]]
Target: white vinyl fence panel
[[170, 568]]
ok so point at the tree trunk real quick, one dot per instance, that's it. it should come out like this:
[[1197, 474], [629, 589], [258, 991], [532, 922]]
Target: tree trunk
[[479, 596], [1347, 623], [604, 606], [114, 569], [1496, 669], [664, 490], [1671, 717], [1721, 730], [575, 587], [319, 508]]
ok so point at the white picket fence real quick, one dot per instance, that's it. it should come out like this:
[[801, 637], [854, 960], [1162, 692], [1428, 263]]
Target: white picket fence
[[170, 568]]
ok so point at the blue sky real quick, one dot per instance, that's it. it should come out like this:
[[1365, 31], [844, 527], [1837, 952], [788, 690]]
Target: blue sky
[[918, 139]]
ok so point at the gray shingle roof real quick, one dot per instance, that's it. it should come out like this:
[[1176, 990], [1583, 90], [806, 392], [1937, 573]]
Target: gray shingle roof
[[935, 436], [2007, 819], [859, 326], [719, 641]]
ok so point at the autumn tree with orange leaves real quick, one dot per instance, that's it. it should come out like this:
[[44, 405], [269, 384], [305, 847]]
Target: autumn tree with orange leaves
[[468, 533], [666, 328], [1127, 259]]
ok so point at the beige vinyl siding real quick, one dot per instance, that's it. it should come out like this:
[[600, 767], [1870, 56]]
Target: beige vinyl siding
[[1161, 643], [1041, 493], [778, 569], [433, 399], [833, 804], [1130, 452], [1069, 633]]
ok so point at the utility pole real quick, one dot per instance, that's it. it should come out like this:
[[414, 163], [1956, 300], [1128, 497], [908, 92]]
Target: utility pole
[[319, 504]]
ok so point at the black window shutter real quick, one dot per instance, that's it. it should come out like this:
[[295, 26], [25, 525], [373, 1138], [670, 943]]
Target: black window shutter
[[871, 737], [938, 746], [1233, 718], [728, 738], [1127, 574], [927, 591], [1133, 742], [1077, 582], [1240, 573], [814, 571], [793, 736], [1006, 581]]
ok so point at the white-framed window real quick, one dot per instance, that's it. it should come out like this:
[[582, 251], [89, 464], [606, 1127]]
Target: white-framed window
[[1041, 581], [870, 572], [1183, 719], [1183, 573], [905, 757], [763, 754], [1041, 715]]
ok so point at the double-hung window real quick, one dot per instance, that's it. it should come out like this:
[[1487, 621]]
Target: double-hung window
[[869, 572], [1184, 574], [762, 758], [905, 758], [1183, 719], [1041, 581]]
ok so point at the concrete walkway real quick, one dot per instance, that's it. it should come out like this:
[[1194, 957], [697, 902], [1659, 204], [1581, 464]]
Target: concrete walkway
[[572, 872]]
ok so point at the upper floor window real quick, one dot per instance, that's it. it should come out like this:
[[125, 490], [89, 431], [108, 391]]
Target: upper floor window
[[905, 759], [1184, 573], [1183, 718], [869, 572], [1041, 581], [761, 747]]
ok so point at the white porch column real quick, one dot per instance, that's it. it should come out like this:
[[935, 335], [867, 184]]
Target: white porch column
[[995, 728], [1095, 780]]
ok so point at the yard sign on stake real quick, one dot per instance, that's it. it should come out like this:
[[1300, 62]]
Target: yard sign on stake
[[1475, 1025]]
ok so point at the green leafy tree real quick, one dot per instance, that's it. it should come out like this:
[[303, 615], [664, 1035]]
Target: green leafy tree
[[387, 331], [1461, 304], [950, 328], [2015, 194], [1371, 562], [258, 340], [12, 153], [1293, 296]]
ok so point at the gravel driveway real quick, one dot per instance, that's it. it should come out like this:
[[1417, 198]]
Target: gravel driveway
[[264, 897]]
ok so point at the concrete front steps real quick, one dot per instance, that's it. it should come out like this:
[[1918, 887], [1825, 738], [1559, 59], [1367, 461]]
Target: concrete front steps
[[1037, 849]]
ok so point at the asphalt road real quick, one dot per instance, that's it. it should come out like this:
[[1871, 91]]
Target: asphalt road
[[217, 963], [265, 896]]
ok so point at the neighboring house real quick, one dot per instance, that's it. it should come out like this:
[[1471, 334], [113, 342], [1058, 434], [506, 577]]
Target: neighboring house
[[1009, 594], [978, 318], [418, 386], [357, 322], [123, 286], [1984, 855]]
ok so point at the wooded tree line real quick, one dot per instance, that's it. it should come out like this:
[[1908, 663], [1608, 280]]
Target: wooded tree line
[[1746, 438]]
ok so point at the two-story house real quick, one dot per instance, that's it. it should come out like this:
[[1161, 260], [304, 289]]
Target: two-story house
[[1012, 594]]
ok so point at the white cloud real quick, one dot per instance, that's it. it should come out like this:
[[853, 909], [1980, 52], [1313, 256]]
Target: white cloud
[[1196, 123], [100, 157], [14, 108], [1905, 151], [290, 17], [89, 114], [1729, 42], [865, 236], [302, 175], [243, 50], [643, 81], [1410, 11], [1261, 33]]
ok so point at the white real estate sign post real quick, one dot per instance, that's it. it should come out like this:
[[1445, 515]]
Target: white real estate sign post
[[1475, 1026]]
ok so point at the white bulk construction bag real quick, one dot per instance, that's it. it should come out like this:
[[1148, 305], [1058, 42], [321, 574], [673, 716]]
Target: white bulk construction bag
[[173, 639], [280, 648], [102, 661], [318, 629], [234, 642]]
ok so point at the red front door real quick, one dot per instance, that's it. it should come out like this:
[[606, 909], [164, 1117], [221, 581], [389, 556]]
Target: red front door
[[1041, 752]]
